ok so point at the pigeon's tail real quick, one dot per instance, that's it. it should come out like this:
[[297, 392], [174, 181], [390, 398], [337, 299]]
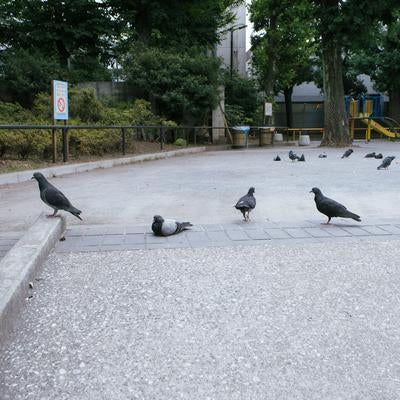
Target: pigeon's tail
[[353, 216], [181, 226], [75, 212]]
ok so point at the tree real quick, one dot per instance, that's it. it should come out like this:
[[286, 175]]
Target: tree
[[342, 25], [184, 86], [27, 73], [381, 59], [172, 23], [282, 46], [69, 31]]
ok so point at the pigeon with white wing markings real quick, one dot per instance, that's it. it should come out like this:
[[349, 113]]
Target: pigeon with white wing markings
[[168, 227], [293, 156], [347, 153], [386, 162], [246, 204], [332, 208], [53, 197]]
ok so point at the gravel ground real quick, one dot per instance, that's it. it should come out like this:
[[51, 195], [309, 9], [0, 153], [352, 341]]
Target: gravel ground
[[318, 321]]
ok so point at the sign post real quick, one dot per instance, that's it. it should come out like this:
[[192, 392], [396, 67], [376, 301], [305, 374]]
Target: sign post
[[59, 90]]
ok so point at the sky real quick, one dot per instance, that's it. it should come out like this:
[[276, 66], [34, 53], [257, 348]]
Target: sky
[[249, 28]]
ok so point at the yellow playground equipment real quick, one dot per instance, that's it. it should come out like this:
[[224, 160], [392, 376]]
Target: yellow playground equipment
[[365, 116]]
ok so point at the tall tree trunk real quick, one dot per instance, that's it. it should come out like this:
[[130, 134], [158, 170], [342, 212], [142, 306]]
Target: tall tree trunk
[[288, 105], [394, 104], [336, 127], [270, 72]]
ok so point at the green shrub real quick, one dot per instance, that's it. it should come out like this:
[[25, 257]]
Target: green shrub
[[180, 142], [94, 142], [84, 105]]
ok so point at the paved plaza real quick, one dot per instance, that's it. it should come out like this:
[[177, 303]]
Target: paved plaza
[[203, 188], [282, 307]]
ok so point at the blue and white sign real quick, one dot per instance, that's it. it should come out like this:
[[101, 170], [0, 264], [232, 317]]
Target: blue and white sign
[[60, 100]]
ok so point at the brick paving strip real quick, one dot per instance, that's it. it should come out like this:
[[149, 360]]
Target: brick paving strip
[[94, 238]]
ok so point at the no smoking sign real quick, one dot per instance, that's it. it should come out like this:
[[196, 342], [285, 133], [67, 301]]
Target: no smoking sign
[[60, 100]]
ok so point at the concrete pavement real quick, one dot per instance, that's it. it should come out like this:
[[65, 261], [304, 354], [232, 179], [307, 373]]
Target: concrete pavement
[[317, 321], [203, 188]]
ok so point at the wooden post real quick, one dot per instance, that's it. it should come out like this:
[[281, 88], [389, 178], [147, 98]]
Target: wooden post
[[123, 139], [53, 131], [65, 142], [161, 138], [54, 143]]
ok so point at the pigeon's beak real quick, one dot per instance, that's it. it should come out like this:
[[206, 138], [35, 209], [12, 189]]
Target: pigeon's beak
[[33, 177], [310, 191]]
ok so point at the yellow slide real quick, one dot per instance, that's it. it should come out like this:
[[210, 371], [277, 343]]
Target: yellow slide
[[379, 128]]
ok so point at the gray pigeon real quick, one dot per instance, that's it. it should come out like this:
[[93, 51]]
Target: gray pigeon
[[347, 153], [302, 158], [246, 204], [293, 156], [168, 227], [370, 155], [378, 156], [53, 197], [386, 162], [331, 208], [323, 155], [277, 158]]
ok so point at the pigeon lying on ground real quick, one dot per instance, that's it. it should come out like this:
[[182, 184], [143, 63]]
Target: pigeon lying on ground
[[378, 156], [168, 227], [53, 197], [246, 204], [277, 158], [347, 153], [370, 155], [322, 155], [302, 158], [386, 162], [332, 208], [293, 156]]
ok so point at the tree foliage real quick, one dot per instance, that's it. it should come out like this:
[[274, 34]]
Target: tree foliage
[[183, 85]]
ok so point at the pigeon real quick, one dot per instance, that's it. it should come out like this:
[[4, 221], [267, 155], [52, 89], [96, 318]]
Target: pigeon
[[386, 162], [347, 153], [302, 158], [323, 155], [53, 197], [277, 158], [332, 208], [293, 156], [246, 204], [370, 155], [168, 227], [378, 156]]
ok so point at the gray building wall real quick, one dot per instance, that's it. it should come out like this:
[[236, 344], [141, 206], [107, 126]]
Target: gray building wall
[[238, 39]]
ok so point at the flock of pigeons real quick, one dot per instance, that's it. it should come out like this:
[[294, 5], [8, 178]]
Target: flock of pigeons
[[385, 162], [55, 199]]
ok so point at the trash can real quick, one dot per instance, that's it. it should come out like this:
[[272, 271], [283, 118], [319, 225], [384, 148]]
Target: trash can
[[266, 135], [240, 136]]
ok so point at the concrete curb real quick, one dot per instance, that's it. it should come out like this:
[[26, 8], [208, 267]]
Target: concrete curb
[[21, 264], [24, 176]]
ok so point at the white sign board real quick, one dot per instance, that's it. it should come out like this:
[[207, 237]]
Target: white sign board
[[268, 109], [60, 100]]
